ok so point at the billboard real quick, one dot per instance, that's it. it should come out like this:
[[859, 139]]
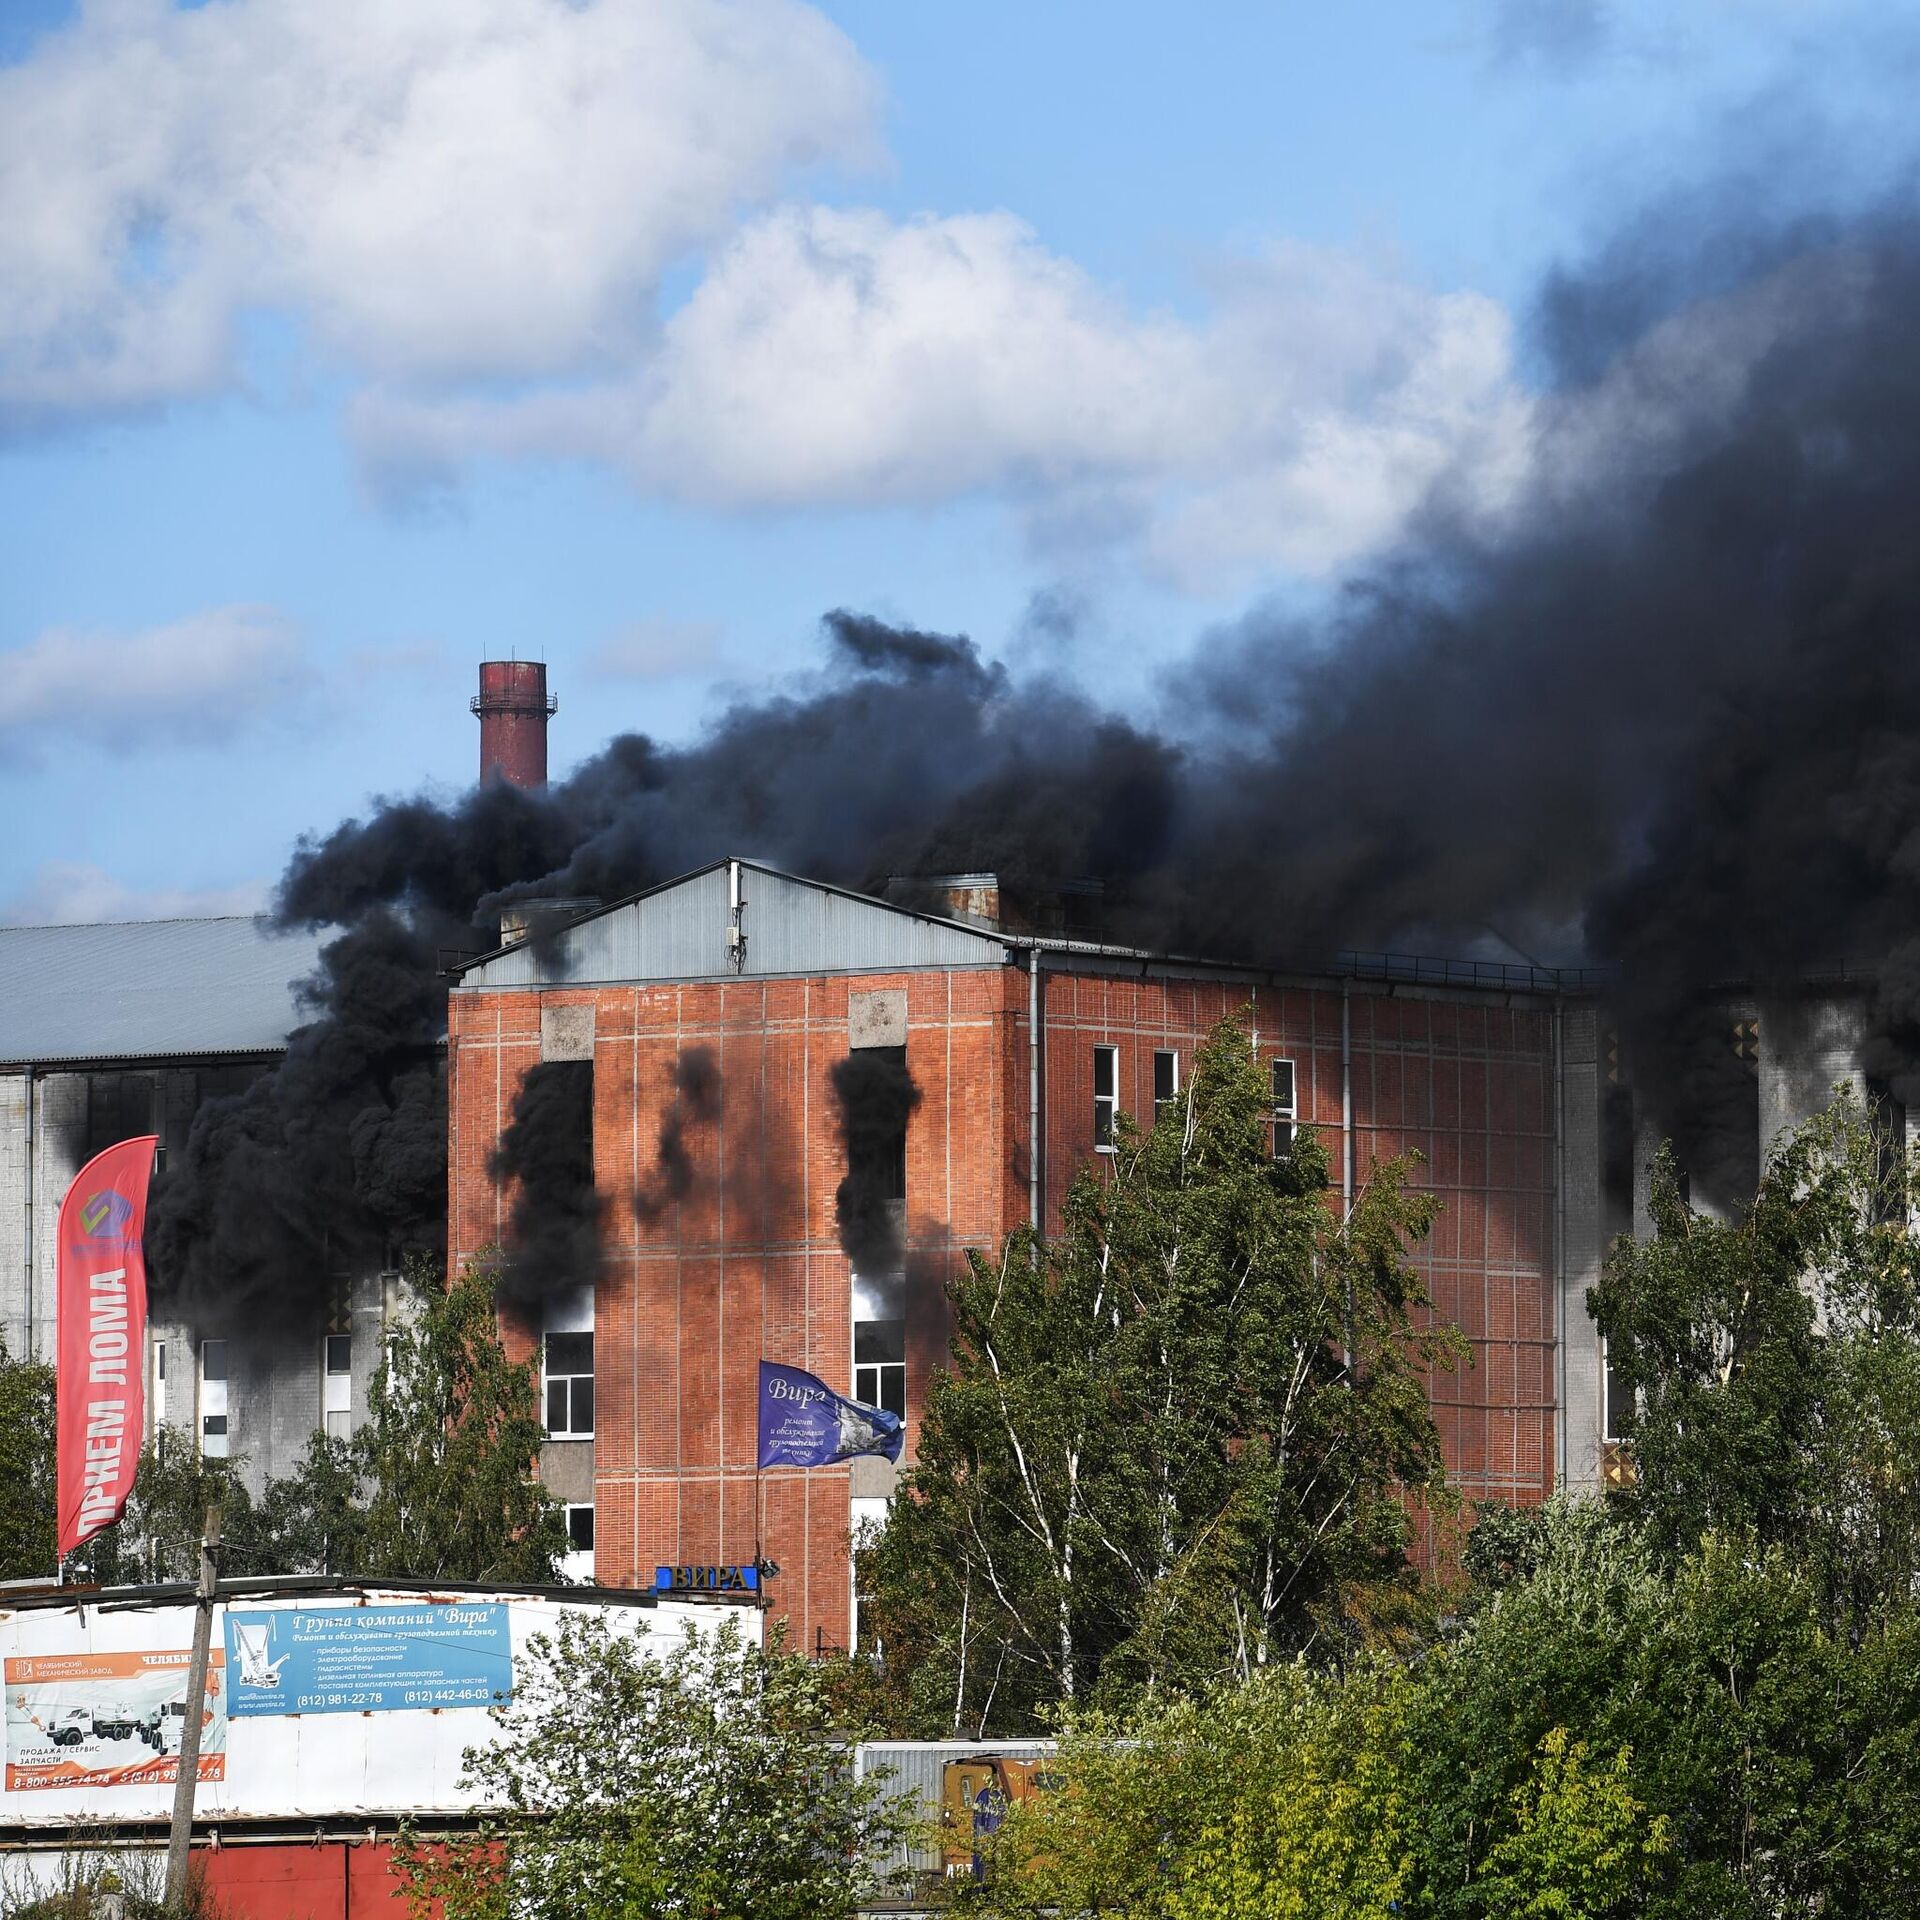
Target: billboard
[[393, 1743], [106, 1720], [368, 1659]]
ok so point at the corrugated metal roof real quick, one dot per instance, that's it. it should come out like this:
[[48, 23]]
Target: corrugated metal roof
[[793, 926], [146, 989]]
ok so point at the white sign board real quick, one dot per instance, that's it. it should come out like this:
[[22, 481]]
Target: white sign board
[[360, 1703]]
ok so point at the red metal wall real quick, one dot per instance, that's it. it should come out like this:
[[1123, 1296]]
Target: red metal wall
[[304, 1880]]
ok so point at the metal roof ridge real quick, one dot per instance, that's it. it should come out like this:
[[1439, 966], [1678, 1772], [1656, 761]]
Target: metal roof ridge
[[988, 936], [158, 920]]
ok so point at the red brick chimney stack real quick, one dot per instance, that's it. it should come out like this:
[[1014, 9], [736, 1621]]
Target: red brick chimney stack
[[514, 705]]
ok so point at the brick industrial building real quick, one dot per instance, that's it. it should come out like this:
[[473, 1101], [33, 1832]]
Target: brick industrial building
[[1505, 1079], [1494, 1075]]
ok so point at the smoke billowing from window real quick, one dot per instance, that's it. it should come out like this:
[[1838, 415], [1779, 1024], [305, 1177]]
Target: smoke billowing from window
[[695, 1101], [875, 1095], [546, 1152], [1663, 713]]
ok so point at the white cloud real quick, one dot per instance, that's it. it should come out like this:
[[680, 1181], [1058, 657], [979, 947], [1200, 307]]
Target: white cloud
[[70, 892], [196, 680], [836, 357], [444, 188], [471, 203]]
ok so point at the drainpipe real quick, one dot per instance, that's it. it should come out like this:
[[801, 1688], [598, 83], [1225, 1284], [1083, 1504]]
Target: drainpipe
[[1036, 1187], [1559, 1250], [1346, 1099], [29, 1215]]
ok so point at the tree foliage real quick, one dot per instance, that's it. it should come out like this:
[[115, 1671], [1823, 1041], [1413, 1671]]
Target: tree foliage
[[436, 1484], [27, 1491], [445, 1454], [1776, 1363], [1172, 1443], [693, 1778]]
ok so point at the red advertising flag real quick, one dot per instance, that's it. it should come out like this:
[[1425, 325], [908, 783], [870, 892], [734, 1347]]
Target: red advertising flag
[[102, 1384]]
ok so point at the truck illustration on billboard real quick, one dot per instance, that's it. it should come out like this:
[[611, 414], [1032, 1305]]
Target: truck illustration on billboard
[[107, 1719]]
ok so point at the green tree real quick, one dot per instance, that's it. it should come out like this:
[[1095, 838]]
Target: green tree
[[27, 1489], [437, 1483], [1175, 1442], [695, 1778], [445, 1455], [1278, 1796], [1781, 1759], [1580, 1846], [1776, 1362]]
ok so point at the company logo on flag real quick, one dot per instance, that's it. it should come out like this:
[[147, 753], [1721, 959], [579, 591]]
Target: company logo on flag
[[804, 1423], [105, 1216], [101, 1389]]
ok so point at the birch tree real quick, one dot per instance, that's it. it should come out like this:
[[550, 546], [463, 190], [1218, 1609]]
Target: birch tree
[[1171, 1444]]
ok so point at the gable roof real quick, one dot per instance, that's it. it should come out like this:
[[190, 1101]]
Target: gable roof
[[149, 989], [678, 931]]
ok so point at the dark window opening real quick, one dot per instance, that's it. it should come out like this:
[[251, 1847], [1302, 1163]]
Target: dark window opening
[[339, 1353], [580, 1529], [1106, 1095], [1166, 1081]]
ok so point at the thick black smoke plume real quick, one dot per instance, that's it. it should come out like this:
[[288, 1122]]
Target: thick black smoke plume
[[1660, 709], [546, 1153], [876, 1096], [694, 1102]]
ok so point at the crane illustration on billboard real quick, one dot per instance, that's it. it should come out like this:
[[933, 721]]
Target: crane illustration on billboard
[[251, 1642]]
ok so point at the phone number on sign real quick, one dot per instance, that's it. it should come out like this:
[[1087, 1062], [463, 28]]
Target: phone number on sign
[[436, 1697]]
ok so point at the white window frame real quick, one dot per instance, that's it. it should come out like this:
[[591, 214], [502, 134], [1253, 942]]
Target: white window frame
[[550, 1379], [868, 1515], [215, 1443], [1285, 1113], [1106, 1106], [336, 1387], [879, 1302], [576, 1564]]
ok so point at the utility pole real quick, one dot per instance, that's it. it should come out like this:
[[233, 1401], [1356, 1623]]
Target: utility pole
[[180, 1836]]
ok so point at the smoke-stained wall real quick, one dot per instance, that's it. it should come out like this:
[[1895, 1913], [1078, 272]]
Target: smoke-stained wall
[[739, 1254]]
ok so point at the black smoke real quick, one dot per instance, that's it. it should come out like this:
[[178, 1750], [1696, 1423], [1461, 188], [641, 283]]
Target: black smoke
[[546, 1155], [1656, 707], [874, 1095], [694, 1101]]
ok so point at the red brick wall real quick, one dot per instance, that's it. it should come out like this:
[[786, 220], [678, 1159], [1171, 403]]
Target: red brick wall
[[750, 1266], [1467, 1084]]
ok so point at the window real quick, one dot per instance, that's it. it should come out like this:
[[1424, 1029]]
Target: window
[[213, 1400], [577, 1562], [159, 1385], [1166, 1081], [880, 1364], [336, 1387], [880, 1341], [1285, 1112], [1106, 1096], [570, 1386], [1619, 1409]]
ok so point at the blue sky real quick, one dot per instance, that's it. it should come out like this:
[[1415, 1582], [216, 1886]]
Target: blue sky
[[343, 346]]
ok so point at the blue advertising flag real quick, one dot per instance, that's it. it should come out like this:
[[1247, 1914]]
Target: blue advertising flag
[[804, 1423]]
